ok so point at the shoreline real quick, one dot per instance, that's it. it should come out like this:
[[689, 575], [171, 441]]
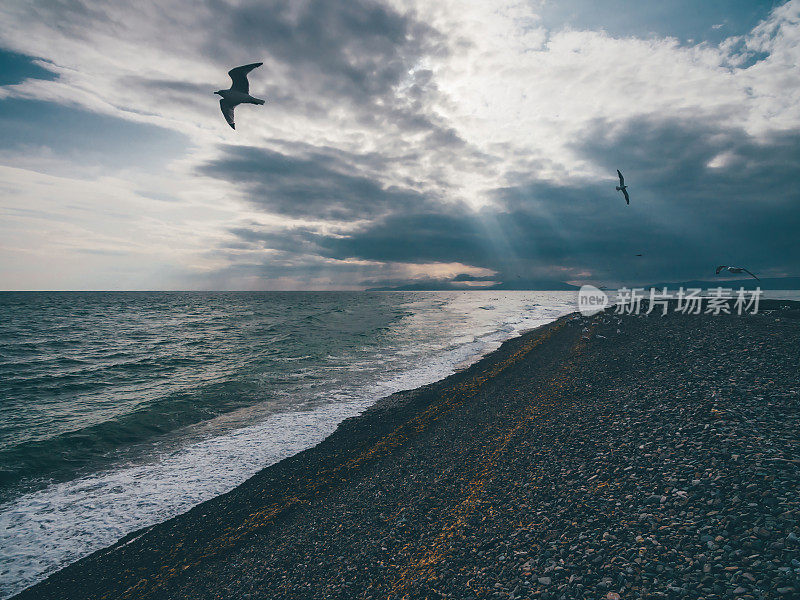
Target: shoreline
[[54, 522], [173, 558]]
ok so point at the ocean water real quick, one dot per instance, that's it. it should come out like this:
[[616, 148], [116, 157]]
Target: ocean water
[[120, 410]]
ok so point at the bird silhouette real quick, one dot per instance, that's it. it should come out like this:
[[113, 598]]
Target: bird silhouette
[[734, 270], [623, 188], [238, 93]]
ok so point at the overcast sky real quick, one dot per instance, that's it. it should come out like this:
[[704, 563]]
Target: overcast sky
[[400, 142]]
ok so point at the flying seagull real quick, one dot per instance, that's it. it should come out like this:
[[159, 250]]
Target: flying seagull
[[623, 188], [239, 92], [734, 270]]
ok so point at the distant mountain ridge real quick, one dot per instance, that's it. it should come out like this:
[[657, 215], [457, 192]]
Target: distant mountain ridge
[[451, 285], [773, 283]]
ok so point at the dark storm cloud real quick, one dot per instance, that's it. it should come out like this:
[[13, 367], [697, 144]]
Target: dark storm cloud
[[489, 238], [318, 53], [298, 240], [413, 238], [671, 157], [722, 191], [315, 184], [348, 48], [700, 195], [353, 56]]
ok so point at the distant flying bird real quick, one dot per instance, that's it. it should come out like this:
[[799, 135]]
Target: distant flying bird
[[623, 188], [239, 92], [734, 270], [638, 255]]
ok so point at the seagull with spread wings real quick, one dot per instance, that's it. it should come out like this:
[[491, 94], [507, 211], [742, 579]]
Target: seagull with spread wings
[[734, 270], [623, 188], [239, 92]]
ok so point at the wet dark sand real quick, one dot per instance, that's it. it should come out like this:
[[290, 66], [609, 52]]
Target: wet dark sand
[[658, 461]]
